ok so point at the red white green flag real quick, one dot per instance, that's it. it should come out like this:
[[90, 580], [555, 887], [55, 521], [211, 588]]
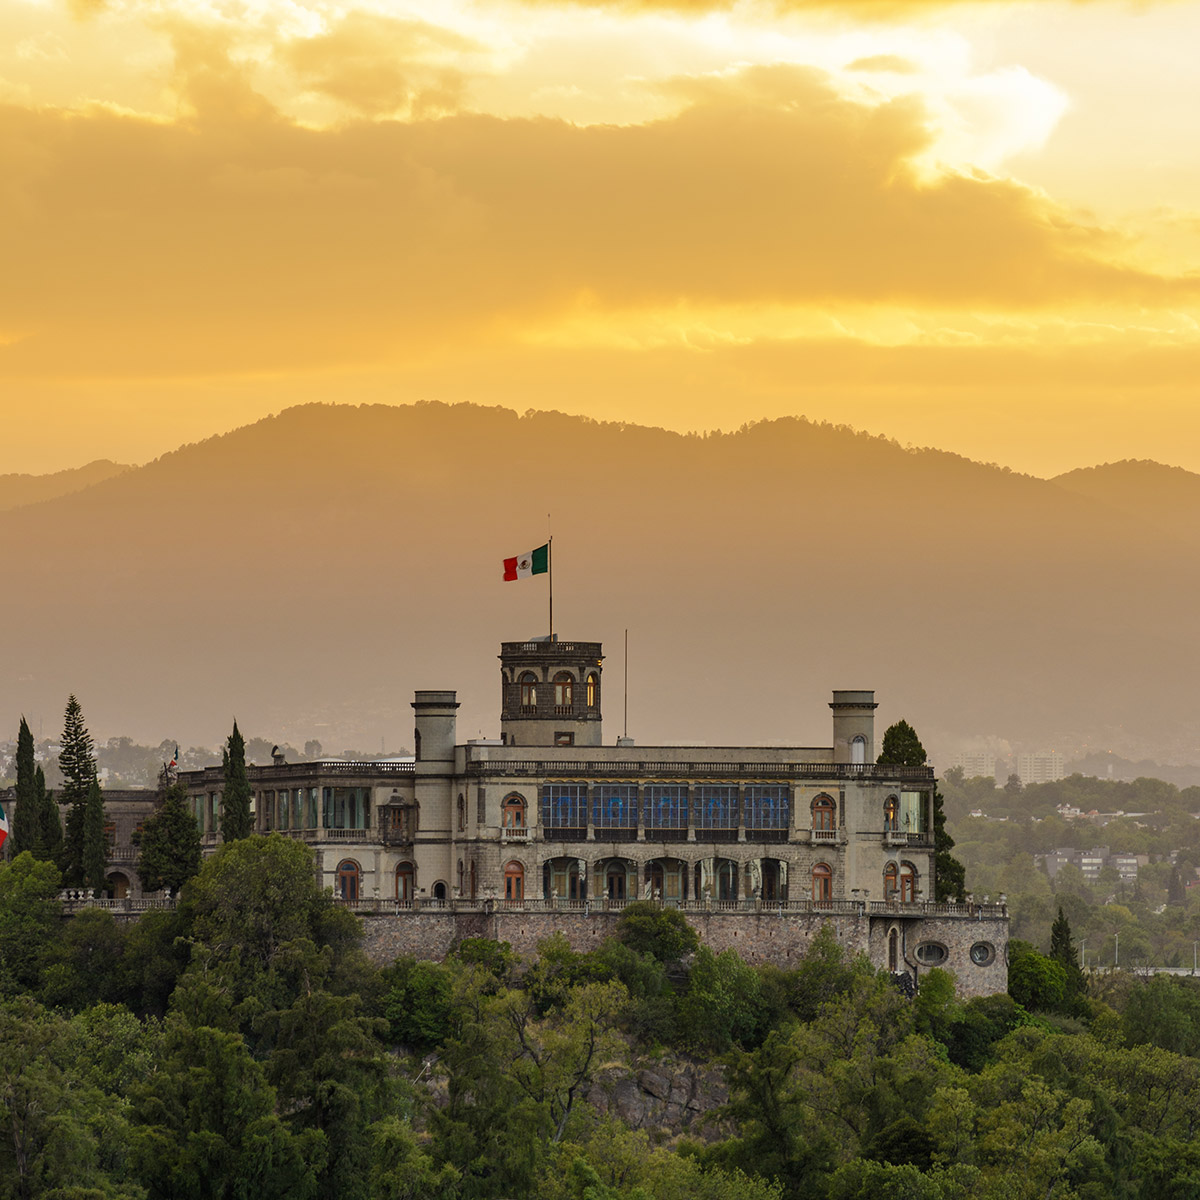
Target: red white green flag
[[534, 562], [3, 826]]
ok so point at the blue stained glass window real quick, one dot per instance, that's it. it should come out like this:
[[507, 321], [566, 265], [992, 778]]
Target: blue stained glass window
[[768, 806], [564, 805], [614, 806], [715, 807], [666, 806]]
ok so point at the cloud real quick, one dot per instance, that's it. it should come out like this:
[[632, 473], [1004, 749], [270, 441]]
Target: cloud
[[381, 66], [235, 240]]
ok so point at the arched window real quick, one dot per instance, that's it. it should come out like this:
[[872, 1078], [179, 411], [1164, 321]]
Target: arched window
[[529, 690], [462, 812], [439, 890], [890, 877], [460, 876], [908, 883], [727, 880], [564, 690], [347, 879], [822, 883], [472, 877], [512, 812], [593, 690], [823, 814], [893, 951], [891, 810], [858, 749], [404, 882], [514, 882]]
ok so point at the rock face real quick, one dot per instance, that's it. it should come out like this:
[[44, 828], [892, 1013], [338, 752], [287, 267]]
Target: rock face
[[665, 1097]]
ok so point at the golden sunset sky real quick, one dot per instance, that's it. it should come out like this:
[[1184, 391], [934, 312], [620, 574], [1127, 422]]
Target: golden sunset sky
[[969, 225]]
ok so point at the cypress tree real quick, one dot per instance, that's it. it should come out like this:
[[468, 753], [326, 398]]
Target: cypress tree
[[50, 832], [170, 853], [94, 860], [235, 802], [1062, 950], [902, 747], [26, 819], [78, 762]]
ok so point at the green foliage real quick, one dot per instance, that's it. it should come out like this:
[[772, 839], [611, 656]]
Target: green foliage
[[170, 845], [77, 761], [662, 932], [418, 1003], [29, 918], [50, 831], [1165, 1012], [402, 1170], [1035, 981], [497, 958], [901, 747], [723, 1005], [94, 855], [235, 798], [1062, 951], [25, 828]]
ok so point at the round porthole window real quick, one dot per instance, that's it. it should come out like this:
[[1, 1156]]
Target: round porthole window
[[931, 954], [982, 953]]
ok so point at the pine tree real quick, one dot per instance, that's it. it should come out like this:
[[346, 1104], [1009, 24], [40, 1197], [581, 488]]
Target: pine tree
[[170, 853], [94, 860], [902, 748], [78, 762], [26, 819], [235, 803]]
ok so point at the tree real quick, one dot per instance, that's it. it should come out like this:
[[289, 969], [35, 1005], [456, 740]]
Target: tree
[[235, 803], [50, 831], [77, 760], [1062, 951], [170, 849], [902, 748], [662, 932], [95, 839], [26, 819]]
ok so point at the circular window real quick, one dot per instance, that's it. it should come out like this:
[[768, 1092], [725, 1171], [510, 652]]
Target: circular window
[[982, 953], [931, 953]]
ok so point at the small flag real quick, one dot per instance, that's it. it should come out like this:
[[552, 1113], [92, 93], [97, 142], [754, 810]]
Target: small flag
[[174, 758], [3, 826], [535, 562]]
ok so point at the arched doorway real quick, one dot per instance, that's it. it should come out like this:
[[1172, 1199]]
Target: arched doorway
[[348, 875], [665, 880], [439, 890], [563, 880], [514, 882], [119, 883], [822, 883]]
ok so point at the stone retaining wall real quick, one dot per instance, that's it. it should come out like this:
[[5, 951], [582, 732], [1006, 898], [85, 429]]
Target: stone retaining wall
[[763, 937]]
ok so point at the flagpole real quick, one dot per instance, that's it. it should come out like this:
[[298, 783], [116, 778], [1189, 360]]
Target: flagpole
[[550, 571]]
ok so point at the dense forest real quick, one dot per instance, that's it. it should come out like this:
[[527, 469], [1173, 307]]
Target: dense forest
[[241, 1045]]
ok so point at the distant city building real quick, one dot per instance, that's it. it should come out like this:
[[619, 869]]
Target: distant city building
[[1040, 768], [974, 765]]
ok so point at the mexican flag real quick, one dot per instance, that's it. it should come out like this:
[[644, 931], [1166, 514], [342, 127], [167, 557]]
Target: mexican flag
[[3, 826], [535, 562]]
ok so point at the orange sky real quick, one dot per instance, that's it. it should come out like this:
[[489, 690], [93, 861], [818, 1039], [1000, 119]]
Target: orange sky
[[973, 225]]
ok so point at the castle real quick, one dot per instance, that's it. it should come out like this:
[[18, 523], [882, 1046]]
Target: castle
[[550, 829]]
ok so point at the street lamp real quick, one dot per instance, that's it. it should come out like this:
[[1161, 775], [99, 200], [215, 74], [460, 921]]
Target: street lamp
[[1116, 950]]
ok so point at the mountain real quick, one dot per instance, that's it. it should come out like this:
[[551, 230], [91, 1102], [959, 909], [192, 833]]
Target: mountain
[[307, 572], [16, 490]]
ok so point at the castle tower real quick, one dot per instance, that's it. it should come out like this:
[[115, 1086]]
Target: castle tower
[[550, 693], [853, 727]]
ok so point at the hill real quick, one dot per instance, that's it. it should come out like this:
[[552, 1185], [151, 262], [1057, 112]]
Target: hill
[[17, 490], [307, 572]]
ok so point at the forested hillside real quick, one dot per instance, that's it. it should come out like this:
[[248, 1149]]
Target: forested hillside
[[240, 1045]]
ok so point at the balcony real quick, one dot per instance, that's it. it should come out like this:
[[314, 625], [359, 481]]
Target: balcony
[[824, 835]]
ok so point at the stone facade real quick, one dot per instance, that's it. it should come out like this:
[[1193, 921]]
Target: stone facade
[[547, 828]]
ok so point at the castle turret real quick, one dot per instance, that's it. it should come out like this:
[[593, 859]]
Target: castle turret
[[550, 693], [435, 727], [853, 727]]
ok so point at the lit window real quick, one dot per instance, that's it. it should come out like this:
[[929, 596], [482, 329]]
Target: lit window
[[890, 810], [564, 690], [529, 690], [593, 691]]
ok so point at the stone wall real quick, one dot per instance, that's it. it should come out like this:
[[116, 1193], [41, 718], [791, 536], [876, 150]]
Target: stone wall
[[763, 937]]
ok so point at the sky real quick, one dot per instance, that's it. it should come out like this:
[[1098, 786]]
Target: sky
[[968, 225]]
